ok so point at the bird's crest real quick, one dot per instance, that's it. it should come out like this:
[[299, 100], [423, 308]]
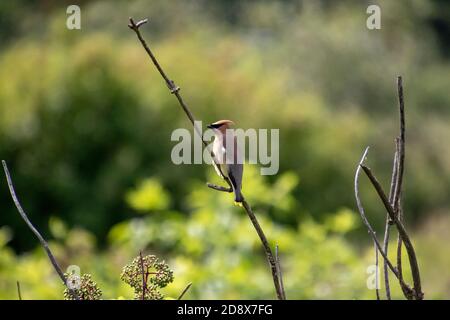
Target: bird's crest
[[220, 123]]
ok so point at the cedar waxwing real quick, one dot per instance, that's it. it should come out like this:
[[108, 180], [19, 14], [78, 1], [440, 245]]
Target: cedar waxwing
[[230, 163]]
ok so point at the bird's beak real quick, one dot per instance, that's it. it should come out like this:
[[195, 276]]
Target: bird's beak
[[210, 126]]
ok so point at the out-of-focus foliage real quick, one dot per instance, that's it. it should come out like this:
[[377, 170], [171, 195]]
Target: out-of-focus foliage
[[149, 196], [83, 116], [216, 248], [85, 124]]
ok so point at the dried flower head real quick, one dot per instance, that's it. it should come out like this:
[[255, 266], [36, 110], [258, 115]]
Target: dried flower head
[[82, 287], [146, 275]]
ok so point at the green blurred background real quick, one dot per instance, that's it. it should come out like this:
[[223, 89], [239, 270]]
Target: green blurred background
[[85, 124]]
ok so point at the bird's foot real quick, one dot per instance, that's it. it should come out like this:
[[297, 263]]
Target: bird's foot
[[239, 204]]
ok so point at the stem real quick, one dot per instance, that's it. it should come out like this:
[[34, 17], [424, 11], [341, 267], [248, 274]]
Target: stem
[[175, 90], [401, 147], [364, 218], [18, 290], [34, 230], [184, 291], [389, 223], [377, 274], [280, 275], [402, 233]]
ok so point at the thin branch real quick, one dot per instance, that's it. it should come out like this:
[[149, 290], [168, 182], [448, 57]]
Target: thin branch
[[402, 233], [395, 190], [363, 214], [265, 243], [399, 246], [34, 230], [401, 147], [395, 172], [385, 267], [184, 291], [174, 89], [219, 188], [400, 142], [367, 223], [389, 222], [280, 275], [377, 273], [393, 204], [398, 205], [18, 290]]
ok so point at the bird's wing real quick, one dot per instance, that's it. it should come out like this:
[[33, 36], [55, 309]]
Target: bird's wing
[[236, 169]]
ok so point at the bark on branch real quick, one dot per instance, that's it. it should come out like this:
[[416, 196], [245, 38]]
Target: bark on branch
[[394, 212], [175, 90], [38, 235]]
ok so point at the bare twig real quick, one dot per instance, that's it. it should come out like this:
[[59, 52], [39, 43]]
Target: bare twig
[[268, 251], [398, 205], [34, 230], [402, 232], [401, 147], [396, 202], [385, 267], [370, 229], [280, 275], [18, 290], [174, 89], [399, 246], [395, 172], [388, 224], [184, 291], [377, 273], [219, 188], [363, 214], [393, 204]]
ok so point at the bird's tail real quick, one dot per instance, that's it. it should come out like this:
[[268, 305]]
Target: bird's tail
[[238, 196]]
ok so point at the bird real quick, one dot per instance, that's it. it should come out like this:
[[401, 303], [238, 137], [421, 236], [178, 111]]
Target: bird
[[229, 160]]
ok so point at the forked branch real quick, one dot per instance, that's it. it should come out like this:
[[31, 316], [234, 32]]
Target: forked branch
[[394, 212]]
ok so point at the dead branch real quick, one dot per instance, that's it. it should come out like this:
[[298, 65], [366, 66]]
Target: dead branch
[[402, 233], [219, 188], [363, 214], [385, 267], [280, 275], [389, 222], [377, 274], [34, 230], [394, 211], [175, 90], [400, 146]]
